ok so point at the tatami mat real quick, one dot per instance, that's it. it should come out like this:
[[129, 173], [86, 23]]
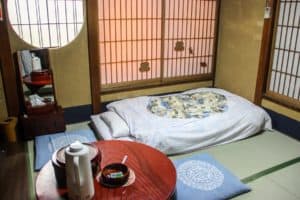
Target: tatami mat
[[254, 154], [266, 189], [282, 184], [288, 179], [77, 126], [30, 162]]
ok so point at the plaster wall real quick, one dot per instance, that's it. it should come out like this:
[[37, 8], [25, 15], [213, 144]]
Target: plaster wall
[[240, 33]]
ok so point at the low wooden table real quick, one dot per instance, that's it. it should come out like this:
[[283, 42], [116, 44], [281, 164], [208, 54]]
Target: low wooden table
[[155, 174]]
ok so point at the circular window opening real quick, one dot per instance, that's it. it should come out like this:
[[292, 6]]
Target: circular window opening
[[46, 23]]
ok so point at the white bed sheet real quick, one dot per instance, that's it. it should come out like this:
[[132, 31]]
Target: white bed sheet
[[172, 136]]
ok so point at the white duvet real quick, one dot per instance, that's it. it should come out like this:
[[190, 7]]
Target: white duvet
[[172, 136]]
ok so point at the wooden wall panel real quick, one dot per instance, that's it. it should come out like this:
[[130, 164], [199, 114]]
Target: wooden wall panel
[[7, 68]]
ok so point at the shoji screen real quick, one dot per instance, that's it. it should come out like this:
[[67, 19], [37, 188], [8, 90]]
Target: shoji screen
[[130, 44], [189, 37], [284, 74], [151, 42]]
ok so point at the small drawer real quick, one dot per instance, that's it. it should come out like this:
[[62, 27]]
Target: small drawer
[[34, 125]]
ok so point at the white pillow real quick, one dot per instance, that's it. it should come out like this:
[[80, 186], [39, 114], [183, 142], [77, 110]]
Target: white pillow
[[117, 125], [101, 128]]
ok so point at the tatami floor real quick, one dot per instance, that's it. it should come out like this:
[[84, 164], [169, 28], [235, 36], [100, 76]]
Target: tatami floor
[[246, 158], [283, 184], [260, 153]]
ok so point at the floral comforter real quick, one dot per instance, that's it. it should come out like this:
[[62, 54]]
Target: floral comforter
[[197, 105]]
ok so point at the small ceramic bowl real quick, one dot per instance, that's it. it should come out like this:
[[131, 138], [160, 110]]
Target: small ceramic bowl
[[114, 175]]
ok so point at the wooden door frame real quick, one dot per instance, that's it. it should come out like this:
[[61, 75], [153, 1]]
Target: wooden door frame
[[93, 32], [7, 67], [265, 53]]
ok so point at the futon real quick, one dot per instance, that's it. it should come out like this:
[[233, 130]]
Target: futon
[[182, 122]]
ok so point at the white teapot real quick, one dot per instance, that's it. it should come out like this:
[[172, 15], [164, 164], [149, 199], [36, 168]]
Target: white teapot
[[79, 172]]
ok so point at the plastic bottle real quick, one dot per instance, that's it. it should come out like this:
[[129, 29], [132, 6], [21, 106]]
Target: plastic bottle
[[36, 63]]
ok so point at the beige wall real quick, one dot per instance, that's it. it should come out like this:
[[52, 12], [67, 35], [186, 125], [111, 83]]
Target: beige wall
[[240, 33], [71, 72], [70, 68]]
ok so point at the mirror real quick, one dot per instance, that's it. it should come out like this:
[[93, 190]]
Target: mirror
[[36, 81]]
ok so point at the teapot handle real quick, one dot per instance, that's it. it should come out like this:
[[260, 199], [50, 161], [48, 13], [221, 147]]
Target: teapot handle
[[78, 178]]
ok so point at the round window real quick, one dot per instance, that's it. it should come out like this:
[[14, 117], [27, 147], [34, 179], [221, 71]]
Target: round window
[[46, 23]]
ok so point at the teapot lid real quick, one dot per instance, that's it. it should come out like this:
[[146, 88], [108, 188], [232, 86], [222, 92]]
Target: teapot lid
[[76, 147], [60, 155]]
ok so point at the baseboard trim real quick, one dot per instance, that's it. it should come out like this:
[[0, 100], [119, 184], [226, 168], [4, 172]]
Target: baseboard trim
[[77, 113], [81, 113], [285, 124]]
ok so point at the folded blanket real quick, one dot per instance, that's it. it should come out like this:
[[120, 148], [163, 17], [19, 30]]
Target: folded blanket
[[202, 177]]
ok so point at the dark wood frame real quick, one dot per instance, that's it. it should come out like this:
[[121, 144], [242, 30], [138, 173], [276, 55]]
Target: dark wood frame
[[264, 60], [93, 31], [265, 52], [215, 50], [44, 55], [7, 67]]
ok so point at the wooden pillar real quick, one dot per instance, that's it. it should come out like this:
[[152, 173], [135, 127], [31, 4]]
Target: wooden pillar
[[7, 67], [93, 34], [265, 52]]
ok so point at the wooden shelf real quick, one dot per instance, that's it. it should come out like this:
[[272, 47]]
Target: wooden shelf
[[33, 110], [38, 119]]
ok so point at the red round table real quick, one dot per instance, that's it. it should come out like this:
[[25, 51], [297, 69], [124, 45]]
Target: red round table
[[155, 174]]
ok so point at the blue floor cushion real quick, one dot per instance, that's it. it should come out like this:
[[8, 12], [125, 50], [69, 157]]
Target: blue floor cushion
[[45, 145], [202, 177]]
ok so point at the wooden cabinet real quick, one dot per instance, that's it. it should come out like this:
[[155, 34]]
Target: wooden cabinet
[[40, 124], [40, 113]]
